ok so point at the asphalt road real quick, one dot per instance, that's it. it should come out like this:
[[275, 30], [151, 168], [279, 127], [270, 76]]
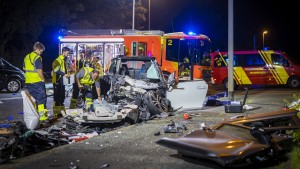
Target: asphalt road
[[134, 146]]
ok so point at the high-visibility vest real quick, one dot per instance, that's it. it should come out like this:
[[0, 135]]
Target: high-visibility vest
[[87, 77], [58, 64], [31, 75], [98, 66]]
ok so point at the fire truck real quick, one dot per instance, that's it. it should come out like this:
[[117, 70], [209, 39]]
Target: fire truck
[[185, 54]]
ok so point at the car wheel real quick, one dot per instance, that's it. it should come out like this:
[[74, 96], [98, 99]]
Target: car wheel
[[13, 85], [155, 103], [294, 82]]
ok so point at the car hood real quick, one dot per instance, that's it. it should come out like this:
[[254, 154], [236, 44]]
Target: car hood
[[213, 144]]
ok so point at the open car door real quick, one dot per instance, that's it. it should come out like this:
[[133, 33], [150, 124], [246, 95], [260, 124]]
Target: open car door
[[187, 94]]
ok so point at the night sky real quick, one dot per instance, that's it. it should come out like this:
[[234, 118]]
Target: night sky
[[251, 18], [210, 17]]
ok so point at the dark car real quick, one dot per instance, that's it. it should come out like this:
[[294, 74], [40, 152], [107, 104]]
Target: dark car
[[11, 77], [240, 140]]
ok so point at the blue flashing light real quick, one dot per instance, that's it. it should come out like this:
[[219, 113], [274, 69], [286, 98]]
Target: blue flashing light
[[192, 33], [266, 48], [59, 37]]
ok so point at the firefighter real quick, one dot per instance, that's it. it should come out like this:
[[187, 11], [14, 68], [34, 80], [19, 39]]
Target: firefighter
[[86, 78], [81, 61], [184, 68], [59, 69], [34, 79]]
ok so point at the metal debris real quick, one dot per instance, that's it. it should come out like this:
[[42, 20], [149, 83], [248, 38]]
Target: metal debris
[[174, 127]]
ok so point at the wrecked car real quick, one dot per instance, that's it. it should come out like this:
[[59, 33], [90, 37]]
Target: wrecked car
[[241, 140], [138, 91]]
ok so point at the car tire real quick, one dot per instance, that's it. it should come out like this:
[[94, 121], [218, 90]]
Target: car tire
[[294, 82], [13, 85], [154, 103]]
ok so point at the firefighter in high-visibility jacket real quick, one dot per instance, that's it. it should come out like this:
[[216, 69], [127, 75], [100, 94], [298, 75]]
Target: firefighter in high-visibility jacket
[[59, 71], [34, 79], [80, 63], [86, 78]]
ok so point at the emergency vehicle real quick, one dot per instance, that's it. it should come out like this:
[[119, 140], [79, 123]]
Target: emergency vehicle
[[169, 49], [263, 67]]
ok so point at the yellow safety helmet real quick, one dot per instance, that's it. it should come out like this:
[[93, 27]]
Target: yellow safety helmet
[[186, 60]]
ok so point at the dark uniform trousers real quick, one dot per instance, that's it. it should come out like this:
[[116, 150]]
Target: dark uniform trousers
[[59, 93], [38, 92]]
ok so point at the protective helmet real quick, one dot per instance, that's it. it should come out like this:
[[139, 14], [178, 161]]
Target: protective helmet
[[186, 60], [97, 67]]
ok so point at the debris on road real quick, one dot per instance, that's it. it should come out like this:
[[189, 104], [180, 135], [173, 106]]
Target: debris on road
[[174, 127]]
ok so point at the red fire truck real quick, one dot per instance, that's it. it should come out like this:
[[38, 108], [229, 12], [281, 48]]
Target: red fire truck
[[263, 67], [169, 49]]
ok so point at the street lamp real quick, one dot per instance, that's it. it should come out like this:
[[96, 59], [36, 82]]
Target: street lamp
[[149, 15], [133, 13], [263, 42]]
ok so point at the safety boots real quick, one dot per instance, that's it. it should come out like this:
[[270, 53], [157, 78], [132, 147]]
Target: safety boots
[[57, 111], [42, 112], [73, 103]]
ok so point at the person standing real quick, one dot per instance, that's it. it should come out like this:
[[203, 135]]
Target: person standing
[[59, 71], [81, 62], [35, 80]]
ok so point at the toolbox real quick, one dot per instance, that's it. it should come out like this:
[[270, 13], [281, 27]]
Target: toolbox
[[236, 107]]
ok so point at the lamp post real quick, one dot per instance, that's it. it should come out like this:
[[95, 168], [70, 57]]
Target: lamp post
[[133, 13], [263, 42], [149, 15]]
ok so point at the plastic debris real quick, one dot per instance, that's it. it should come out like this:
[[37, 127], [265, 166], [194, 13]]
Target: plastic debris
[[186, 116], [73, 166], [104, 166], [174, 127], [157, 133]]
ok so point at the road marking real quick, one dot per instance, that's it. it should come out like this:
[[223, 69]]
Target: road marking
[[10, 98]]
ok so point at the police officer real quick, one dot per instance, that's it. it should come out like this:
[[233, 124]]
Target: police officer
[[34, 79], [59, 70], [86, 78]]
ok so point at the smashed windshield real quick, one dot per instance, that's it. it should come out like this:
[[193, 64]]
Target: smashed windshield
[[152, 72]]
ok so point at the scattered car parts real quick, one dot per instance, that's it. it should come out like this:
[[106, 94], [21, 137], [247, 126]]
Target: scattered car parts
[[240, 140]]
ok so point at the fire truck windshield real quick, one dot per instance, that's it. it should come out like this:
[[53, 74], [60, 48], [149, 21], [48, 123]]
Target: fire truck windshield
[[194, 51]]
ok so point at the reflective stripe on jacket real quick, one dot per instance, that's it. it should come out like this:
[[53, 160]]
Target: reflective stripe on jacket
[[58, 65], [87, 78], [31, 75]]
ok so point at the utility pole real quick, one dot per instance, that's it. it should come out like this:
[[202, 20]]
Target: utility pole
[[133, 13], [230, 50], [149, 14]]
